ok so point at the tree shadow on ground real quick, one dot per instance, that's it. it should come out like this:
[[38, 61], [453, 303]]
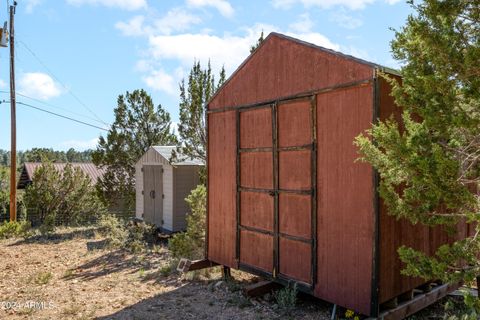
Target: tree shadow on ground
[[204, 300], [58, 237], [115, 261]]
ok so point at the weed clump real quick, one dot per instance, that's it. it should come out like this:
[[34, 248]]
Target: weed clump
[[287, 298], [131, 236], [14, 229], [43, 278]]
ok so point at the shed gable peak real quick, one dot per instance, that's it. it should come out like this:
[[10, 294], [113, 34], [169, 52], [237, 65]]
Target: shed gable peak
[[283, 66]]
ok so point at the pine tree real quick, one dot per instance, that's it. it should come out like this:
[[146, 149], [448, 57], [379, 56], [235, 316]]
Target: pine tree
[[138, 125], [430, 163]]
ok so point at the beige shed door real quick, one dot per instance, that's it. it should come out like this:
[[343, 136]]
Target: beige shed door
[[153, 194]]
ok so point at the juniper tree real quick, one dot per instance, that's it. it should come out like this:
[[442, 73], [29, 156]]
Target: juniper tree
[[194, 95], [430, 164], [257, 44], [138, 125]]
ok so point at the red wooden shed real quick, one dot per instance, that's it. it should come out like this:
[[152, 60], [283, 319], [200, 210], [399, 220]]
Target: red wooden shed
[[287, 199]]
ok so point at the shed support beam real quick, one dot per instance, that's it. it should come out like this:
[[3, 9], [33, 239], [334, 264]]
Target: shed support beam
[[419, 302], [261, 288], [186, 265]]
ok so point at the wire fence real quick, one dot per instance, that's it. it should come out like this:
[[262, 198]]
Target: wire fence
[[35, 217]]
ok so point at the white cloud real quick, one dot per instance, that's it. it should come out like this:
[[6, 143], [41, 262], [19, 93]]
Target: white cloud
[[303, 24], [351, 4], [176, 19], [315, 38], [3, 84], [30, 5], [223, 6], [161, 81], [185, 48], [39, 85], [121, 4], [356, 52], [143, 65], [346, 21], [226, 50], [80, 144], [134, 27]]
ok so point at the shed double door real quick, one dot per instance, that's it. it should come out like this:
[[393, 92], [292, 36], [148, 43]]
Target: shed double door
[[153, 194], [276, 190]]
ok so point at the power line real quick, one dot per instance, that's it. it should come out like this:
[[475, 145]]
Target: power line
[[59, 81], [54, 106], [59, 115]]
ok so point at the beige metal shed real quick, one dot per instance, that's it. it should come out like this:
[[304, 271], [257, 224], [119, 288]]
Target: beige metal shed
[[162, 186]]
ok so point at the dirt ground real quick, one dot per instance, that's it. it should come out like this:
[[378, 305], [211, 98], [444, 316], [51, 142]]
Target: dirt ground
[[71, 277]]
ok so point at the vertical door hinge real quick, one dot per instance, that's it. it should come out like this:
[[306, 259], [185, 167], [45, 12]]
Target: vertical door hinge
[[163, 196], [141, 169]]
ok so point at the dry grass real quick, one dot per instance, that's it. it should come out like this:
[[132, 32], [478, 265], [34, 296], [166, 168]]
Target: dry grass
[[70, 276]]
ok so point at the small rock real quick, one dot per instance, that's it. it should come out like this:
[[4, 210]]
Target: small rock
[[218, 284]]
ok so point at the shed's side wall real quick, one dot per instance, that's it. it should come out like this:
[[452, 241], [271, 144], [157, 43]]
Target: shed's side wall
[[282, 68], [345, 209], [185, 179], [394, 234], [222, 188]]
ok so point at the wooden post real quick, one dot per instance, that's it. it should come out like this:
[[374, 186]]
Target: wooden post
[[13, 140], [226, 273]]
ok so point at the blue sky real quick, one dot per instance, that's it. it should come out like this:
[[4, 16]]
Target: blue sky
[[76, 56]]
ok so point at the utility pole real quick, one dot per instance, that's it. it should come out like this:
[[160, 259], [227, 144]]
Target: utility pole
[[13, 148]]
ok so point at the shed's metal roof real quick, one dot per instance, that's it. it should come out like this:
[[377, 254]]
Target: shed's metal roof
[[88, 168], [181, 160]]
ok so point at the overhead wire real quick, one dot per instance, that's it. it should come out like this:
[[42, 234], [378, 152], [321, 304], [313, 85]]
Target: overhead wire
[[97, 118], [58, 115], [54, 106], [60, 82]]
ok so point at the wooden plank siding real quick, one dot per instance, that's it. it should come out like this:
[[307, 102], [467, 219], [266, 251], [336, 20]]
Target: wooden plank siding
[[222, 188], [345, 193], [345, 213], [282, 68]]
